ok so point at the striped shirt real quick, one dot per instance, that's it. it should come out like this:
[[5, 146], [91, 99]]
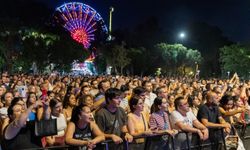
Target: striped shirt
[[159, 121]]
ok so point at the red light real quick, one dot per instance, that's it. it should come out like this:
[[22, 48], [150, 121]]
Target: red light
[[81, 36]]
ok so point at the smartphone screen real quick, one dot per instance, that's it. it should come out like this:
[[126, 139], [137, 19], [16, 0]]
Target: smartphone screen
[[22, 90]]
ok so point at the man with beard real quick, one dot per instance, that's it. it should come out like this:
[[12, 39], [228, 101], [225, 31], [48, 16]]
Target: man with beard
[[210, 116]]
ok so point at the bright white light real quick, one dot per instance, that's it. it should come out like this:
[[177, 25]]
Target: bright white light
[[182, 35]]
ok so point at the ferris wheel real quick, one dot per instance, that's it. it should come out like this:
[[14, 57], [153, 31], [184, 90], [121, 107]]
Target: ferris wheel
[[82, 21]]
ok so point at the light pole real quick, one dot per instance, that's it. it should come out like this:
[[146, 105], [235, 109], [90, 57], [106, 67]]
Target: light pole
[[197, 71], [111, 10]]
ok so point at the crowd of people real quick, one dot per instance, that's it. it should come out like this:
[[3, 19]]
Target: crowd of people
[[90, 110]]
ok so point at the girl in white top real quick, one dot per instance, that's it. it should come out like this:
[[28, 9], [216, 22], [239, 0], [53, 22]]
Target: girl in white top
[[57, 113]]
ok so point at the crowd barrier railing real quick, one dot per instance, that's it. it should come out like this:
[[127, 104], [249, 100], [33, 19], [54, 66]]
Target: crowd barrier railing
[[106, 143], [242, 130]]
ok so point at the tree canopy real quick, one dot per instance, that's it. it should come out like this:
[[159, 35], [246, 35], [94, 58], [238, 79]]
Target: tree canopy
[[177, 56], [235, 58]]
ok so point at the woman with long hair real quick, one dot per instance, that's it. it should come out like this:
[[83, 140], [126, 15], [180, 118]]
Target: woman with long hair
[[35, 114], [81, 131], [170, 101], [228, 110], [194, 104], [159, 123], [138, 122], [86, 100], [57, 113], [69, 103]]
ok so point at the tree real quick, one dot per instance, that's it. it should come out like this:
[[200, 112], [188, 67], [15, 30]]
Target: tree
[[140, 60], [177, 56], [65, 51], [10, 47], [46, 48], [121, 59], [235, 58], [208, 40], [140, 43], [193, 56], [24, 40], [116, 55], [12, 24], [37, 47]]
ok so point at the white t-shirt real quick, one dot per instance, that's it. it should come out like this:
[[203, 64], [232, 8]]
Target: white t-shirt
[[149, 100], [61, 124], [177, 117], [124, 103]]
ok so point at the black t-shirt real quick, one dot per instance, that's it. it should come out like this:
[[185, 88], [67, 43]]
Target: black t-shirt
[[82, 134], [211, 113], [105, 120], [25, 139]]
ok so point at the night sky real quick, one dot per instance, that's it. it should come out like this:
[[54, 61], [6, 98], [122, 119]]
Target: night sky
[[231, 16]]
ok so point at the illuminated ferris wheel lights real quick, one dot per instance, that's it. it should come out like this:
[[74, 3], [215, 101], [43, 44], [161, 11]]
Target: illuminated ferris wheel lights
[[81, 21]]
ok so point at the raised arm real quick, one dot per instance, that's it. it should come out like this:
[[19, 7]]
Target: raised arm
[[15, 126], [232, 112]]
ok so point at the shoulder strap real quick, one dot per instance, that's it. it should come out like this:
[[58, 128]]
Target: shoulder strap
[[144, 122], [165, 121], [116, 118]]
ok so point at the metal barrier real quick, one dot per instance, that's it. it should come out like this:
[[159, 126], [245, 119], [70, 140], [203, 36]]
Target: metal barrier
[[202, 145], [244, 133], [106, 143], [126, 143]]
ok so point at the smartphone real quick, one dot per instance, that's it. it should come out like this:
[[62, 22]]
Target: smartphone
[[22, 91]]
